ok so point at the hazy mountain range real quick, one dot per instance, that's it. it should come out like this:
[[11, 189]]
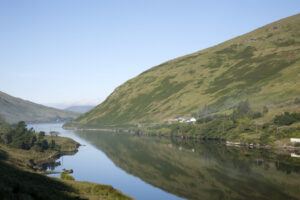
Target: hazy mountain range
[[80, 109], [14, 109]]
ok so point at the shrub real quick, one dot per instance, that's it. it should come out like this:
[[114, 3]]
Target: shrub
[[297, 144], [287, 118], [265, 109], [257, 115], [66, 176], [265, 125], [242, 110], [102, 189]]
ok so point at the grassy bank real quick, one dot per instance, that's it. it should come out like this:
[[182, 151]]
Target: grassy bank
[[20, 182], [19, 167]]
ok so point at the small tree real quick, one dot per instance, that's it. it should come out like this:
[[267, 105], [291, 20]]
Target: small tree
[[21, 124], [45, 145], [41, 135], [52, 144], [242, 110], [54, 133], [265, 109]]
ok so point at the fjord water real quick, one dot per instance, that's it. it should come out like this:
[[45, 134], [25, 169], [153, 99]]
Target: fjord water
[[164, 168]]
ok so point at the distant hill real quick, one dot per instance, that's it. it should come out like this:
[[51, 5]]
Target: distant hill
[[14, 109], [262, 66], [79, 109]]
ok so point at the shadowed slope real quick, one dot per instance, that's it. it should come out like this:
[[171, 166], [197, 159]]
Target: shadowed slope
[[14, 109]]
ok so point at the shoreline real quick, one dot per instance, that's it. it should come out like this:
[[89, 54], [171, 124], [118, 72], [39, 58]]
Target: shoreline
[[290, 149], [40, 166]]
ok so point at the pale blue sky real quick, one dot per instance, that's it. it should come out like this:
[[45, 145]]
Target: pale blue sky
[[61, 52]]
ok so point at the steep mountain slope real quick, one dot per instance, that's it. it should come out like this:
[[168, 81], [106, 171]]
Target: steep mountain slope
[[14, 109], [262, 66]]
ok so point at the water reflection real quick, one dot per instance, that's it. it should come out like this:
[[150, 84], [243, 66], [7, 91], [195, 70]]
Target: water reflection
[[202, 169]]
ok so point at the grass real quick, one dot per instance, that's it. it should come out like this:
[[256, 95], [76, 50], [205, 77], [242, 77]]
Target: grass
[[66, 176], [19, 181], [259, 66], [31, 158]]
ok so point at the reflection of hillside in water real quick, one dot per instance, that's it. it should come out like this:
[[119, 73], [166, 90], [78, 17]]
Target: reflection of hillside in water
[[202, 170]]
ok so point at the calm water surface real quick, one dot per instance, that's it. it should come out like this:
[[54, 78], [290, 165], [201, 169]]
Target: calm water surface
[[163, 168]]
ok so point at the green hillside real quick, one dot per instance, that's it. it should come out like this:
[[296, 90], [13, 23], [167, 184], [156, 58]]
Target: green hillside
[[14, 109], [262, 66]]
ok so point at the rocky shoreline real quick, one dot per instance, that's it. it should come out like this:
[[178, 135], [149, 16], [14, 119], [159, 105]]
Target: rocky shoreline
[[42, 165]]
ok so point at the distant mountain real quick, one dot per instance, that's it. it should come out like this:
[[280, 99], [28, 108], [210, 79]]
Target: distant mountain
[[79, 109], [14, 109], [262, 66]]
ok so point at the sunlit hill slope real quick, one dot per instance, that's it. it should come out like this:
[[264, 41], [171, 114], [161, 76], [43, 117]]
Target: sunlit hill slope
[[262, 66]]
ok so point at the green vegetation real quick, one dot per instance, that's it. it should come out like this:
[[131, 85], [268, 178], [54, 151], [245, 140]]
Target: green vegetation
[[13, 109], [18, 136], [30, 149], [20, 156], [66, 176], [287, 118], [16, 183], [241, 126], [259, 68]]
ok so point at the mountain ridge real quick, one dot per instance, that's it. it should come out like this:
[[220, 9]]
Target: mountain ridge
[[261, 66], [14, 109], [80, 108]]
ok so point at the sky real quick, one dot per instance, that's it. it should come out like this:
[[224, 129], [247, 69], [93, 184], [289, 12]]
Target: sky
[[73, 52]]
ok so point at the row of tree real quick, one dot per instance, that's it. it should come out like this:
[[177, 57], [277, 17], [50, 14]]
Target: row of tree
[[18, 136]]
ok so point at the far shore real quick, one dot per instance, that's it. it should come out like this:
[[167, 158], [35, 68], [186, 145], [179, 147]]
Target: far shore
[[286, 148]]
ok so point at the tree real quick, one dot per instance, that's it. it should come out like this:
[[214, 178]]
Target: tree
[[52, 144], [265, 109], [41, 135], [45, 145], [286, 118], [242, 110], [21, 125], [54, 133], [297, 101], [33, 140]]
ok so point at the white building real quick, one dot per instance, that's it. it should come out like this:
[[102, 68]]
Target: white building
[[193, 119], [295, 139], [295, 155]]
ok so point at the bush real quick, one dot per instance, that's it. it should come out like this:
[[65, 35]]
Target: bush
[[265, 109], [297, 144], [265, 125], [287, 118], [102, 189], [66, 176], [257, 115], [242, 110]]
